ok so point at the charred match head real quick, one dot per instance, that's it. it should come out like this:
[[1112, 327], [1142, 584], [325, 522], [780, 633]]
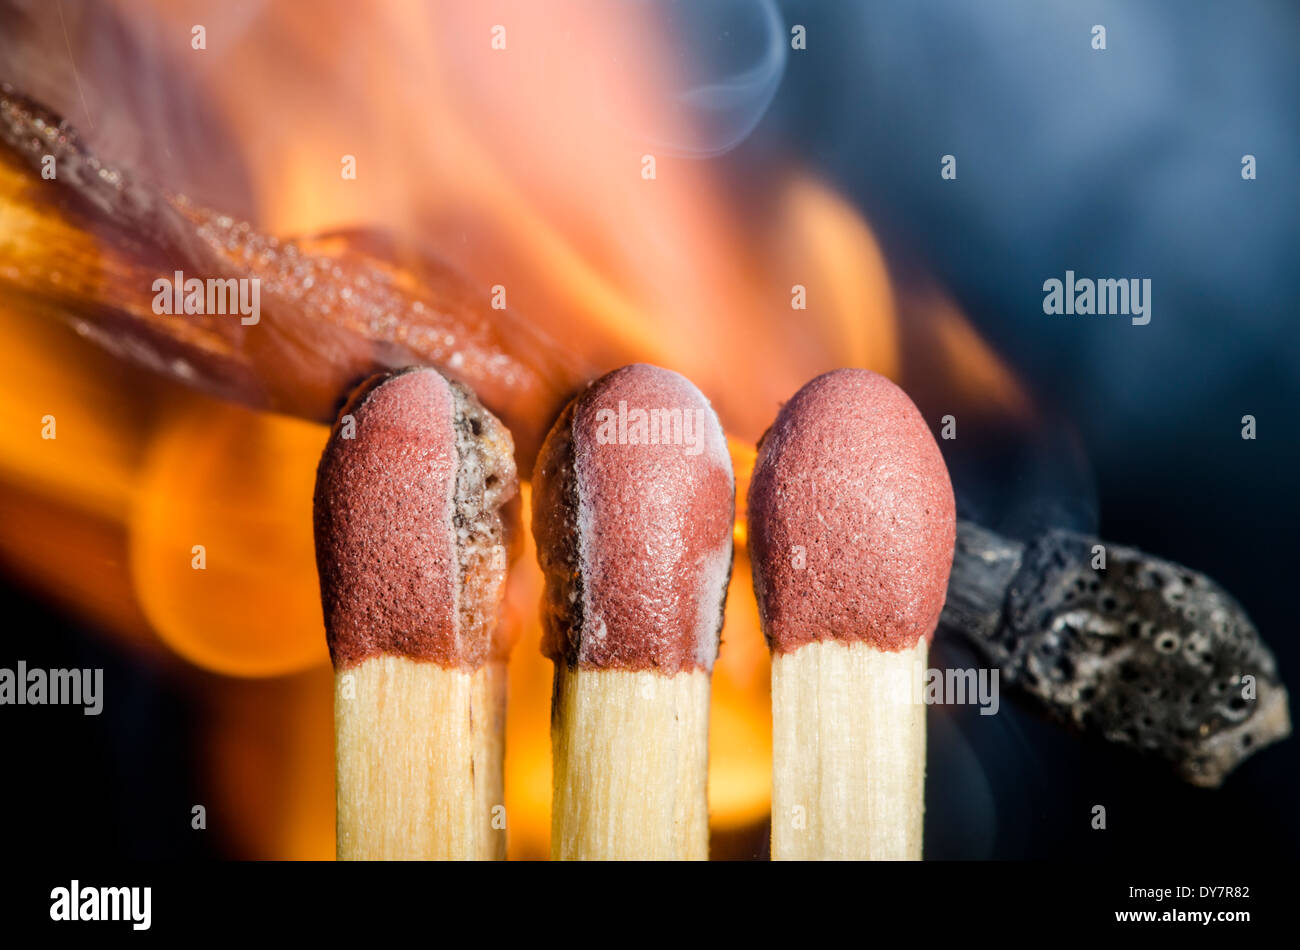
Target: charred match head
[[633, 505], [414, 513], [851, 517]]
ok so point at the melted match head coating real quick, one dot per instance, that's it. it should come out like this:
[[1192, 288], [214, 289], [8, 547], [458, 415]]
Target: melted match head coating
[[413, 517], [633, 509], [851, 517]]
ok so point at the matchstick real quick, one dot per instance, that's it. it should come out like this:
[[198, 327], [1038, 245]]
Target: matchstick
[[414, 512], [633, 504], [851, 529]]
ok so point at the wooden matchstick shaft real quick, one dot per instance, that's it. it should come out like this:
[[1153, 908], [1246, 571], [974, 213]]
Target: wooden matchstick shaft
[[635, 542], [412, 518], [419, 752], [630, 765], [848, 752], [851, 527]]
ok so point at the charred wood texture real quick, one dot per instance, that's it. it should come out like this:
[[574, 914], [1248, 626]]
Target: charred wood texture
[[87, 245], [1142, 652]]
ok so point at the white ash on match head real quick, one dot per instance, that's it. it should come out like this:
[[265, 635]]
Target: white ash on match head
[[633, 511]]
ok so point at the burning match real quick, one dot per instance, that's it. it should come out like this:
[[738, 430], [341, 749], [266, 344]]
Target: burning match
[[851, 522], [413, 520], [633, 511]]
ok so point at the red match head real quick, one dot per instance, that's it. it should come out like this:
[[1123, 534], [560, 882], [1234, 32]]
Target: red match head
[[413, 518], [851, 517], [633, 509]]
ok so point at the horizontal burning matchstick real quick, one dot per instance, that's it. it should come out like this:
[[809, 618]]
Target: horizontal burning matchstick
[[413, 516], [633, 511], [89, 245], [851, 527]]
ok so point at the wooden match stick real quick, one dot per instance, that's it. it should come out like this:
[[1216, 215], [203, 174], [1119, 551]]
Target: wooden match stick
[[414, 512], [633, 503], [851, 530]]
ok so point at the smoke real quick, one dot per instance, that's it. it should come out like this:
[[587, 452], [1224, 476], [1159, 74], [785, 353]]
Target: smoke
[[131, 85], [723, 62]]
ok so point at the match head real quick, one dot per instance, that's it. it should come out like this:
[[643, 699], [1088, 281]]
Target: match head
[[414, 513], [851, 517], [633, 510]]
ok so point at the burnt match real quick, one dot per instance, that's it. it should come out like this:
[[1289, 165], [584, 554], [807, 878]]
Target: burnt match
[[633, 508], [413, 516], [851, 528], [1135, 649]]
